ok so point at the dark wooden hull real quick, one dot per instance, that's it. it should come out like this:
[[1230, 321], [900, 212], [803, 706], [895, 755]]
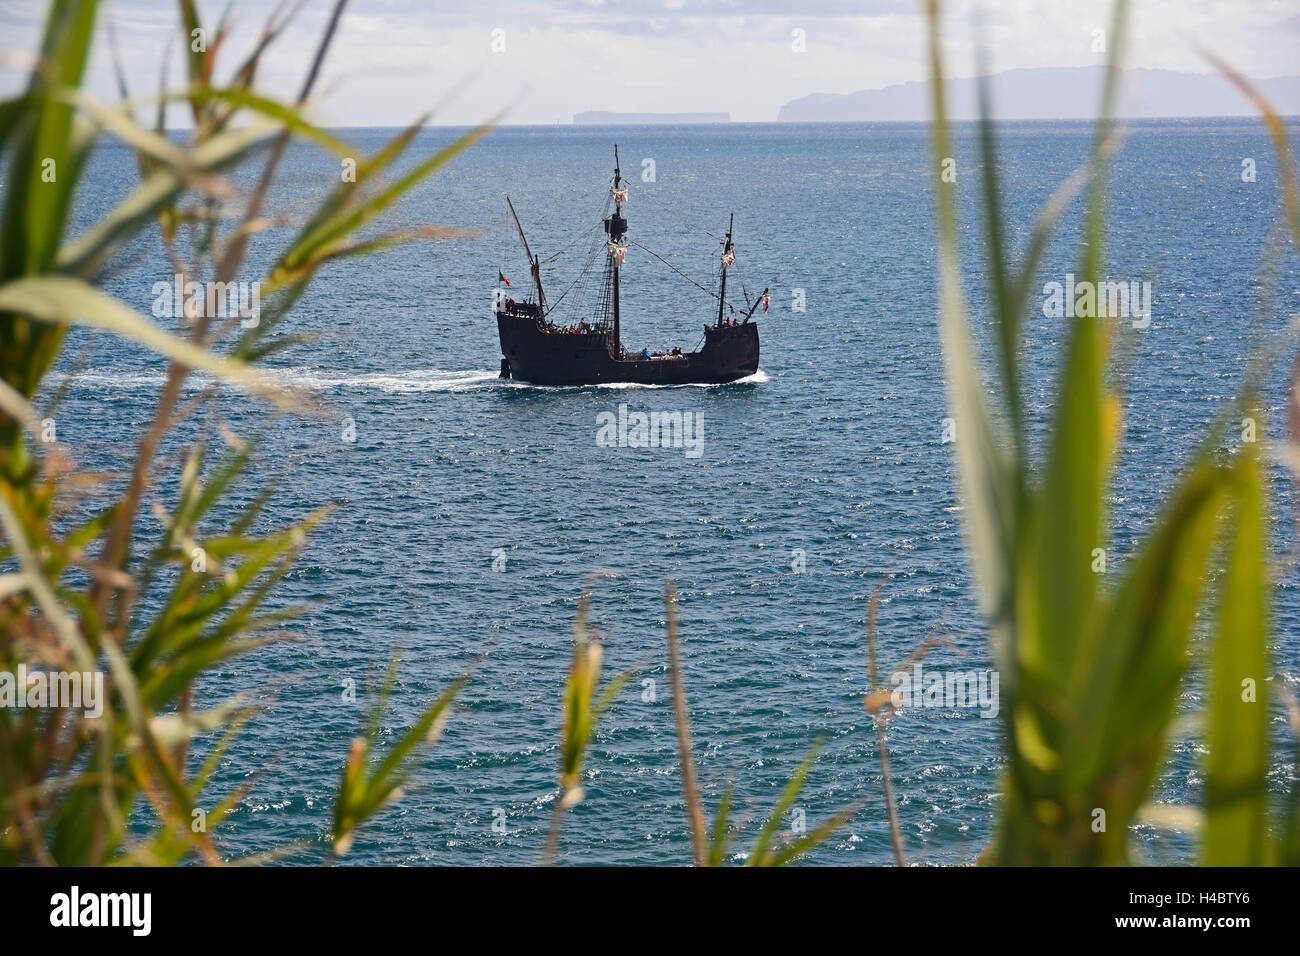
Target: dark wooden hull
[[532, 354]]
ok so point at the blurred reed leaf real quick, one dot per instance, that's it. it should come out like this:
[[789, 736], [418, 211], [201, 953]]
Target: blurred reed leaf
[[66, 301], [710, 846], [1236, 767], [1093, 674], [363, 792], [84, 589], [583, 703]]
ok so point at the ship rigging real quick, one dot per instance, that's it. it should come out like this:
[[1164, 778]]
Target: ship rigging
[[588, 348]]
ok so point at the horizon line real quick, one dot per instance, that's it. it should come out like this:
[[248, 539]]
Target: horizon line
[[876, 122]]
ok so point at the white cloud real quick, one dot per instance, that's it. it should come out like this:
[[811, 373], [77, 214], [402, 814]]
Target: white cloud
[[393, 59]]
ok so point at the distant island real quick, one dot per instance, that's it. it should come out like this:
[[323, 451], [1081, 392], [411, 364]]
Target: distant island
[[1049, 93], [599, 118]]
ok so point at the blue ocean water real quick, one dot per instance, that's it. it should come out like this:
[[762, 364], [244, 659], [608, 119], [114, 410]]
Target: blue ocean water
[[833, 451]]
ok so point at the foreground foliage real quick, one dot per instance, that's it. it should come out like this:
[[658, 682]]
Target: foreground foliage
[[1091, 674], [91, 593]]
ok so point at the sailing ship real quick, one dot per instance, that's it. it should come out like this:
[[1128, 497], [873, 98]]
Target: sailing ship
[[587, 349]]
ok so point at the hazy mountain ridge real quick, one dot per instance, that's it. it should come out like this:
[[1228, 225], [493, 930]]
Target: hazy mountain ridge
[[1050, 93], [602, 118]]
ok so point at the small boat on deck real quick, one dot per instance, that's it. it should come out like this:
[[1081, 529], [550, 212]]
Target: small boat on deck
[[587, 349]]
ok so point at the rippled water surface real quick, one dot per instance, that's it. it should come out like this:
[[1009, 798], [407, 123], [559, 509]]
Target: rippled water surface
[[834, 450]]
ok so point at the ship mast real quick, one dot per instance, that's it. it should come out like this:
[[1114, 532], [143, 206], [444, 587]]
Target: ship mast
[[728, 257], [616, 228], [534, 266]]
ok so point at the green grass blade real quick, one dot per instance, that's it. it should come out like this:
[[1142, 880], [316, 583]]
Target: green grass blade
[[1236, 769], [36, 206], [327, 234], [720, 837], [62, 300], [287, 117], [760, 853], [1071, 521], [1122, 701], [83, 254], [985, 475], [1008, 325]]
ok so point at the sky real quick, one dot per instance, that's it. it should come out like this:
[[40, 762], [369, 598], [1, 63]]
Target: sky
[[541, 61]]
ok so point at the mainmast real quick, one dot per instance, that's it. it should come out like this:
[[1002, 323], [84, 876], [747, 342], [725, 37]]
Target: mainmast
[[616, 227], [728, 257], [534, 266]]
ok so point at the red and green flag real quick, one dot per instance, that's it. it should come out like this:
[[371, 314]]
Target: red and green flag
[[501, 277]]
